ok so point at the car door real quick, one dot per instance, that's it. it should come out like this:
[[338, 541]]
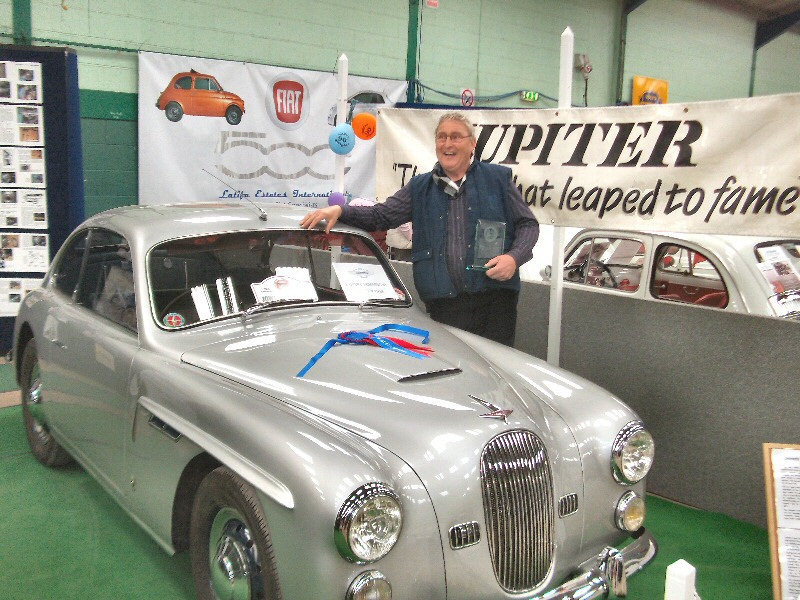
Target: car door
[[207, 97], [90, 340]]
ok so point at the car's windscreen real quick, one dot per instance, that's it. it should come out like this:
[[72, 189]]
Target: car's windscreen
[[779, 262], [198, 279]]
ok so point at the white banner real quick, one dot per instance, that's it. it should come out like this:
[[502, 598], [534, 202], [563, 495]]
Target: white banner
[[277, 152], [714, 167]]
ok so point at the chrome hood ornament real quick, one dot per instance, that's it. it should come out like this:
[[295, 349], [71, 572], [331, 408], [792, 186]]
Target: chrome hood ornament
[[496, 411]]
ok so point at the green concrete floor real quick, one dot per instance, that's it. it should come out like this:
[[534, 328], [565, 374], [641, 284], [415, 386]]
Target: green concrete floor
[[63, 538]]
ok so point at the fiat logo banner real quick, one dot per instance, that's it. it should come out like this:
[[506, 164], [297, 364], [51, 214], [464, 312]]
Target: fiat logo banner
[[288, 100]]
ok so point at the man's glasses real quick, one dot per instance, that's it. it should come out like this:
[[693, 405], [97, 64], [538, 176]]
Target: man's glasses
[[441, 138]]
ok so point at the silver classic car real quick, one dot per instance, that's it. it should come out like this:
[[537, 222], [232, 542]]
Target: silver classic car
[[272, 400]]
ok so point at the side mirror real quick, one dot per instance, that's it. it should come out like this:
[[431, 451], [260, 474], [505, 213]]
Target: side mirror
[[546, 272]]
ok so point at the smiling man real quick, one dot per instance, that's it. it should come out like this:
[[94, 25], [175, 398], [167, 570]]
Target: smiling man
[[457, 210]]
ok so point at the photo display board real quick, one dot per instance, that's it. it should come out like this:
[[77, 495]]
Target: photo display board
[[41, 172]]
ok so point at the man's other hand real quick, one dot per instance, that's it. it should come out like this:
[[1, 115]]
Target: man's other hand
[[329, 214], [502, 268]]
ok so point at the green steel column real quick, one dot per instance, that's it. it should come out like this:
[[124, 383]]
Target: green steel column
[[21, 22], [413, 47]]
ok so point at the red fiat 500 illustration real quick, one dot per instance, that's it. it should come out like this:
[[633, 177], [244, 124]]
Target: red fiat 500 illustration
[[193, 93]]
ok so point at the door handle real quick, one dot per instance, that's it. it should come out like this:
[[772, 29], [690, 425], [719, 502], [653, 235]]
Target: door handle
[[59, 344]]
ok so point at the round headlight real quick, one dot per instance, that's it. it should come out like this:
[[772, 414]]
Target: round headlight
[[371, 585], [630, 512], [632, 453], [368, 523]]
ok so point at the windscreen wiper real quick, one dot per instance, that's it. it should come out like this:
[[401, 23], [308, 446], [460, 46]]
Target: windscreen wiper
[[259, 306], [376, 302]]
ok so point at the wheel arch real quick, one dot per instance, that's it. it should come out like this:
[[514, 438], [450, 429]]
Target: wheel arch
[[194, 472], [299, 499], [24, 336]]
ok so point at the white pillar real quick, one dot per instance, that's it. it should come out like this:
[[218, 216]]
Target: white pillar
[[341, 117], [556, 272]]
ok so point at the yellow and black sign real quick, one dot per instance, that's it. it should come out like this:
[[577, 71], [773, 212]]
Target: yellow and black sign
[[647, 90]]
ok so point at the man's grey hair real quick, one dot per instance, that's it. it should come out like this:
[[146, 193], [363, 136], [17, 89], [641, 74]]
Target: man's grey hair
[[455, 115]]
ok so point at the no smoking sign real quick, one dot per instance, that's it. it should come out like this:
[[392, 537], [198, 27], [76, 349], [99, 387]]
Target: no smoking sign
[[467, 97]]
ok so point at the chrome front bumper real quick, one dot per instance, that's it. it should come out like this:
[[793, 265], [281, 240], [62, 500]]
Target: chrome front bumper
[[608, 572]]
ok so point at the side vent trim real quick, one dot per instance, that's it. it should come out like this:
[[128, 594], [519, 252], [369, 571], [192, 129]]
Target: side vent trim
[[567, 505], [465, 534]]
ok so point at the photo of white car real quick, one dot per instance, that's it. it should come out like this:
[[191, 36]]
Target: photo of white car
[[746, 274]]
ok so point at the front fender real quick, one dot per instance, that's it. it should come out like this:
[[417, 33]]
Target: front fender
[[303, 468]]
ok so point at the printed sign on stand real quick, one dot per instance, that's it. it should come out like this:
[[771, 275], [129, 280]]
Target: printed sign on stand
[[782, 474]]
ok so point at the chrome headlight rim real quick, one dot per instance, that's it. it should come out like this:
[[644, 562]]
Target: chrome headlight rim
[[369, 583], [633, 431], [629, 503], [363, 497]]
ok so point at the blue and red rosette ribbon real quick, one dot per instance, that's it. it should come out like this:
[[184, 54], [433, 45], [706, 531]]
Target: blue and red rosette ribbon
[[371, 338]]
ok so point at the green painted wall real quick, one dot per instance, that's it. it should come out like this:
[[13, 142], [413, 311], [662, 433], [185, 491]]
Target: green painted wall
[[306, 34], [703, 52], [110, 150], [109, 164], [493, 47], [6, 16], [777, 68]]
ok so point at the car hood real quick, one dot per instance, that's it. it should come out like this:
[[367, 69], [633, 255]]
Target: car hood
[[418, 408]]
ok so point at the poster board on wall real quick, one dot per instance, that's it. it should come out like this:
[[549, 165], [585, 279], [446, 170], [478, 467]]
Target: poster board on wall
[[277, 150], [667, 167], [41, 168], [782, 475]]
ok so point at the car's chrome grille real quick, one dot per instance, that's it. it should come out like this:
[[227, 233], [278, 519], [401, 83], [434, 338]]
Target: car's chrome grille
[[518, 506]]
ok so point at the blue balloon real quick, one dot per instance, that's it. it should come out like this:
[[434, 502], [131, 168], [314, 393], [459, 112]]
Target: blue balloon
[[342, 138], [337, 198]]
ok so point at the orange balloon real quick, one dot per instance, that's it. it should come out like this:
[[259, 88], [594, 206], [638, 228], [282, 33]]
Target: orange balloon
[[365, 126]]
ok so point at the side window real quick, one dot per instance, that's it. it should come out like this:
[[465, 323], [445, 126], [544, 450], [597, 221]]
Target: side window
[[682, 274], [68, 269], [106, 286], [606, 262], [202, 83], [184, 83], [369, 98]]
